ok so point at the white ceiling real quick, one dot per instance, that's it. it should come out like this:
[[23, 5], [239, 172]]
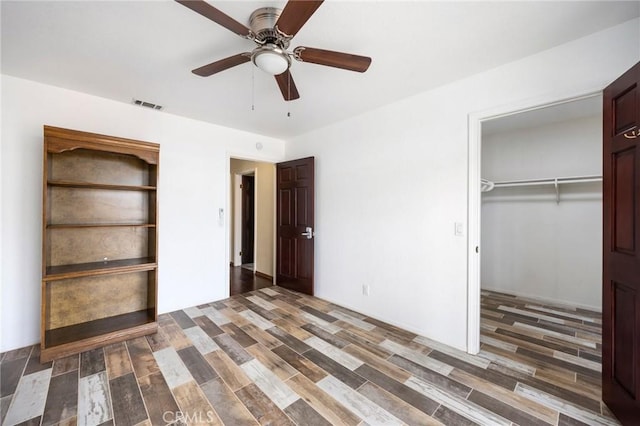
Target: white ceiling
[[147, 49]]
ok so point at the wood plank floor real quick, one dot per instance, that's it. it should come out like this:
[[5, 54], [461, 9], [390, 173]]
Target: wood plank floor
[[242, 280], [274, 357]]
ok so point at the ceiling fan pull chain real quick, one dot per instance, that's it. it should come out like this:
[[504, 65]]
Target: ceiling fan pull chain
[[253, 89], [288, 91]]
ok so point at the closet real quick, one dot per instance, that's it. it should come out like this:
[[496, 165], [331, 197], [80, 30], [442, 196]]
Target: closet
[[541, 214]]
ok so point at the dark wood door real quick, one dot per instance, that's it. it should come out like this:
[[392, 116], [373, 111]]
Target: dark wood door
[[248, 218], [295, 225], [621, 248]]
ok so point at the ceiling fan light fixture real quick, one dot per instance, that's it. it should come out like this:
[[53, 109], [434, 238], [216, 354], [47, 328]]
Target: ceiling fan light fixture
[[271, 59]]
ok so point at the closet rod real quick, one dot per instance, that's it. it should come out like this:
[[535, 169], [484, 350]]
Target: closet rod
[[487, 185], [547, 181]]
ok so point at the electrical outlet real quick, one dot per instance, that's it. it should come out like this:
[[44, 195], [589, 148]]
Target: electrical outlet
[[365, 289]]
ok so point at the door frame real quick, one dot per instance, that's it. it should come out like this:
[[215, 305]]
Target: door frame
[[236, 209], [237, 215], [474, 199]]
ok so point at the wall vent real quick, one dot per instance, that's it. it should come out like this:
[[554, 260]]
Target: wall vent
[[147, 104]]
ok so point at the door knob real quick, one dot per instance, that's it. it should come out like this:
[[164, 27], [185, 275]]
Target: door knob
[[308, 233]]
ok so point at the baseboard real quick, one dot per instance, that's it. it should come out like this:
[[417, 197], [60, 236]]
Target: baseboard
[[565, 303], [265, 276]]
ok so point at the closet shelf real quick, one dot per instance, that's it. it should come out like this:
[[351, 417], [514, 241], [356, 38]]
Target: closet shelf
[[487, 185]]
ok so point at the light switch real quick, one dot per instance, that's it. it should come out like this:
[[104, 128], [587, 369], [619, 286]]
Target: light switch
[[459, 229]]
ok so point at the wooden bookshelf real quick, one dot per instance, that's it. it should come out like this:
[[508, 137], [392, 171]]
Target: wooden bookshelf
[[99, 228]]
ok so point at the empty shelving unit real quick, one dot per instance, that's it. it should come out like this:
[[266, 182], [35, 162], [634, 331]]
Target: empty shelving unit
[[99, 239]]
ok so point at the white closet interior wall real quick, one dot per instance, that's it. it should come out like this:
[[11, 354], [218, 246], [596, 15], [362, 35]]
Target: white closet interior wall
[[531, 245]]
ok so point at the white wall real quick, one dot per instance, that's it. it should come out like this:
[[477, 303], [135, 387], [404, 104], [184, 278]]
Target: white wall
[[532, 246], [265, 212], [194, 182], [391, 183]]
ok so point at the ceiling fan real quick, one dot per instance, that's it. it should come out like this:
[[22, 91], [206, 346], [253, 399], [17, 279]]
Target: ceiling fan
[[272, 30]]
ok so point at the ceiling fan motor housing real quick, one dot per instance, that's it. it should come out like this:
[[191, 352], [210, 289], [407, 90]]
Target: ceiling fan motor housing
[[263, 22]]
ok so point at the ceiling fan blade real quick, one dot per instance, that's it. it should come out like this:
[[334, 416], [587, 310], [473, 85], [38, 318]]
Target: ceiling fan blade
[[217, 16], [287, 86], [330, 58], [222, 64], [295, 14]]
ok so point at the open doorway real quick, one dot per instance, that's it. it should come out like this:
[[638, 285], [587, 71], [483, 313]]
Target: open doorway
[[512, 114], [252, 224], [541, 204], [538, 244], [541, 243]]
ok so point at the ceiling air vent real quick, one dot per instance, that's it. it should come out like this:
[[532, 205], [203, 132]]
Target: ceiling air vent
[[147, 104]]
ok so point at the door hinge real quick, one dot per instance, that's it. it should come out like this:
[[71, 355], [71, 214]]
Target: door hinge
[[240, 254], [240, 186]]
